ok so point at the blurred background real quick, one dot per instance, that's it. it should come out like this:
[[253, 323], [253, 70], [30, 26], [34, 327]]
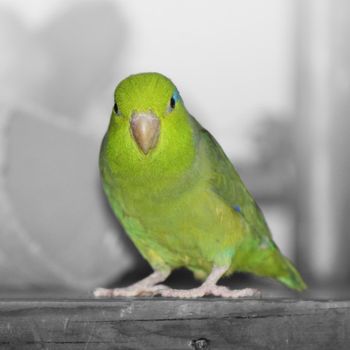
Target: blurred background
[[270, 80]]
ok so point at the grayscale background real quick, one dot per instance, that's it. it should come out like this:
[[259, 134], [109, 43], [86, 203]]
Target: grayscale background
[[270, 79]]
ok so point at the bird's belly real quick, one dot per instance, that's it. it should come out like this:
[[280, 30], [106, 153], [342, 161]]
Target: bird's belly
[[194, 230]]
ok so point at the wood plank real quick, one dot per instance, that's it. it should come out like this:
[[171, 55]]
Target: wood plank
[[174, 324]]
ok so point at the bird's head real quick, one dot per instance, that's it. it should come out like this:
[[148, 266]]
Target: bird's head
[[150, 131], [149, 106]]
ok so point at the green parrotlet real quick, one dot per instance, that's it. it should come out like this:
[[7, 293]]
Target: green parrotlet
[[179, 198]]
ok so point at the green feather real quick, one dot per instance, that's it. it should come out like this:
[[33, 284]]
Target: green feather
[[183, 204]]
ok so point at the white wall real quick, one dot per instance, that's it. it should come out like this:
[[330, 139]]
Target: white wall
[[232, 60]]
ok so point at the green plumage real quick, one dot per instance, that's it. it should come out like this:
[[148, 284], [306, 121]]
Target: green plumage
[[183, 204]]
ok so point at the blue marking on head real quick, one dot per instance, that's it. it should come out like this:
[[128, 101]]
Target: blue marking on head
[[237, 208], [176, 96]]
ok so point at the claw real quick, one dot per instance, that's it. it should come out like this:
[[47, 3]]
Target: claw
[[130, 291], [218, 291], [103, 292]]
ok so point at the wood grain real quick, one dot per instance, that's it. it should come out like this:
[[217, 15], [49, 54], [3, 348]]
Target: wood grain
[[174, 324]]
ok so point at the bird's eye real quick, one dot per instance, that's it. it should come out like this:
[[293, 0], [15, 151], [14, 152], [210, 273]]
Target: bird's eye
[[115, 108], [173, 100]]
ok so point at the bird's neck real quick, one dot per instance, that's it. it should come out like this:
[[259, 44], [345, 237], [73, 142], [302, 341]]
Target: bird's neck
[[169, 171]]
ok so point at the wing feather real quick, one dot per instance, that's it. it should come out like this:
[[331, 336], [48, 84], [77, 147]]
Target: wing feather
[[226, 183]]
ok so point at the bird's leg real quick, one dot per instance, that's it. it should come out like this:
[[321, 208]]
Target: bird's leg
[[146, 287], [209, 287]]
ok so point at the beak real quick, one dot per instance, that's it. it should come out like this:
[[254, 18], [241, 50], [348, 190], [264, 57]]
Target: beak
[[145, 130]]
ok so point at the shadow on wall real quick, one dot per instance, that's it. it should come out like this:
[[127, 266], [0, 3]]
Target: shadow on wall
[[54, 229], [66, 65]]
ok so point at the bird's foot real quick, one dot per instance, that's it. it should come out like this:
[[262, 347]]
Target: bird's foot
[[132, 291], [218, 291]]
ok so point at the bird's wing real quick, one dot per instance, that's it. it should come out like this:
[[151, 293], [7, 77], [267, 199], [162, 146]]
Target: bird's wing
[[227, 184]]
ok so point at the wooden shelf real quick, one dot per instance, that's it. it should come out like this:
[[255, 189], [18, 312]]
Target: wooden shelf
[[157, 323]]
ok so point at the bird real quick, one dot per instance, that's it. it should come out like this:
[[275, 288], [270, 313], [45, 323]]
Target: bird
[[180, 199]]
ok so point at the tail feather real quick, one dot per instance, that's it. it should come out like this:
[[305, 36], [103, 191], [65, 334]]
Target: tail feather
[[270, 262], [291, 277]]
